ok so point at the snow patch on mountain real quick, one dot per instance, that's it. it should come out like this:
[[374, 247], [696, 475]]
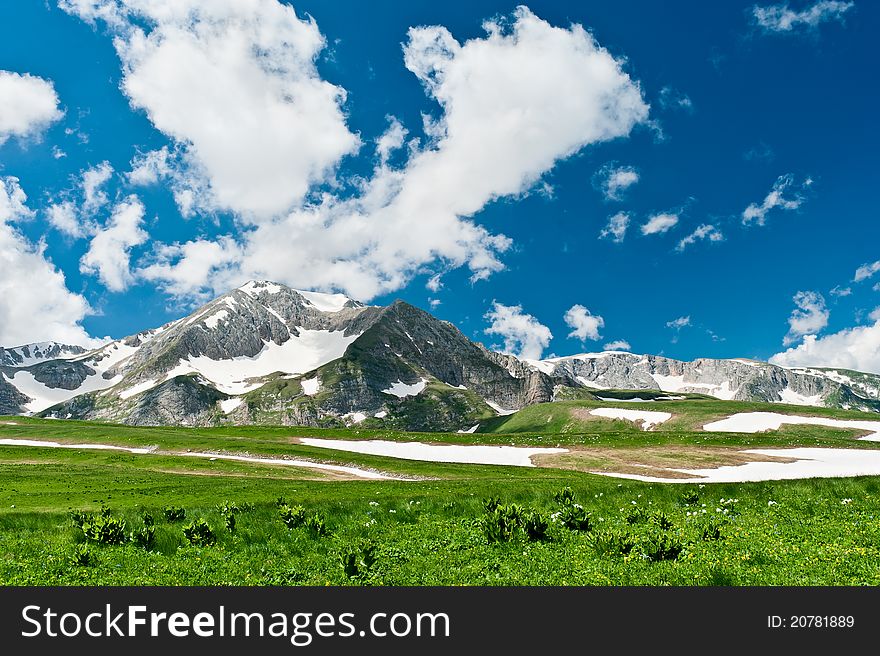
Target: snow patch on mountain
[[402, 390], [325, 302], [43, 397], [757, 422], [648, 419]]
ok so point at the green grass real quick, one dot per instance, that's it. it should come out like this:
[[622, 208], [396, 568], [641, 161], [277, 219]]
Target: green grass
[[429, 531]]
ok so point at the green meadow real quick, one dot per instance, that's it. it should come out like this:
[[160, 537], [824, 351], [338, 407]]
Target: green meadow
[[87, 517]]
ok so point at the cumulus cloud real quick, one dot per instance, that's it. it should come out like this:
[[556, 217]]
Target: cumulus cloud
[[866, 271], [782, 18], [617, 345], [613, 180], [391, 140], [234, 84], [28, 105], [524, 336], [513, 104], [73, 212], [704, 231], [584, 325], [855, 348], [810, 316], [660, 223], [109, 251], [616, 228], [678, 324], [35, 303], [776, 199], [150, 167]]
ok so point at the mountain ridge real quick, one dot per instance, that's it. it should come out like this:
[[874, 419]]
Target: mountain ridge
[[265, 353]]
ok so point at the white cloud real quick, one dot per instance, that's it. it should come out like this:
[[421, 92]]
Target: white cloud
[[704, 231], [35, 304], [613, 180], [840, 292], [434, 284], [109, 251], [616, 228], [63, 216], [391, 140], [782, 18], [672, 99], [150, 167], [757, 212], [524, 336], [876, 287], [810, 316], [235, 85], [855, 348], [175, 266], [866, 271], [514, 103], [585, 325], [93, 181], [660, 223], [678, 324], [617, 345], [28, 105]]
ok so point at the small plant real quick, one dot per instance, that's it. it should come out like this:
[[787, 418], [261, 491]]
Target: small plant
[[635, 515], [662, 546], [316, 526], [712, 531], [227, 511], [614, 542], [490, 504], [174, 514], [79, 517], [199, 533], [690, 498], [293, 517], [358, 563], [502, 522], [83, 556], [148, 520], [575, 517], [229, 520], [144, 537], [104, 529], [536, 527], [565, 496], [280, 502], [661, 520]]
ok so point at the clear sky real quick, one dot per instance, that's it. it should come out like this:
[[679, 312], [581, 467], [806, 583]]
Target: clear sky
[[688, 178]]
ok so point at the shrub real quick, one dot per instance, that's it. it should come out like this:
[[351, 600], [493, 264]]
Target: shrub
[[565, 496], [293, 517], [199, 533], [83, 556], [78, 517], [490, 504], [712, 531], [229, 520], [536, 527], [104, 529], [279, 502], [502, 522], [227, 511], [148, 519], [635, 515], [575, 517], [690, 498], [174, 514]]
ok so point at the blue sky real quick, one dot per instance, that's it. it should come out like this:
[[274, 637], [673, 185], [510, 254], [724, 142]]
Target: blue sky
[[713, 104]]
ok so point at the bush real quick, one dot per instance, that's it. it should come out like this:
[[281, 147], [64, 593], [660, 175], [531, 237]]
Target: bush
[[229, 520], [565, 496], [490, 504], [199, 533], [536, 527], [575, 517], [293, 517], [712, 531], [502, 522], [83, 556], [174, 514], [227, 511], [635, 515], [79, 517], [690, 498], [148, 519], [104, 529]]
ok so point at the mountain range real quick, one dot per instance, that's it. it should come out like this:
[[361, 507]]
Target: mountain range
[[268, 354]]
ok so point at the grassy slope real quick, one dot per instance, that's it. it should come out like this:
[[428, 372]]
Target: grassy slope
[[814, 532]]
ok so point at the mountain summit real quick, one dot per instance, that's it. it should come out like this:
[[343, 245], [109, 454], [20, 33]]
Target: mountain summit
[[266, 353]]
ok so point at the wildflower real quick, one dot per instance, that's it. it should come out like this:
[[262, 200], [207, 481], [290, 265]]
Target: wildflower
[[846, 501], [771, 503]]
